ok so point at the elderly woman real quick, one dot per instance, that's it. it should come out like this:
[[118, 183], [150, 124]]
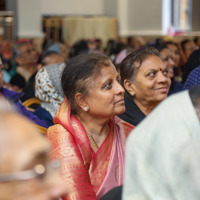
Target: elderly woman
[[87, 136], [145, 79]]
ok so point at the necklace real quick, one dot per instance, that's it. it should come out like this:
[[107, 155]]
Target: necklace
[[95, 145], [92, 139]]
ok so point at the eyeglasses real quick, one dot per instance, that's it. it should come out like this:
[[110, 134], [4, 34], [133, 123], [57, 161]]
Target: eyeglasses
[[28, 51], [39, 170]]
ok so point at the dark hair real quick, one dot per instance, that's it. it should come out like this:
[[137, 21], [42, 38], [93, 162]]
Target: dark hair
[[78, 48], [79, 73], [192, 62], [196, 39], [161, 47], [130, 65], [172, 43], [130, 39], [183, 43]]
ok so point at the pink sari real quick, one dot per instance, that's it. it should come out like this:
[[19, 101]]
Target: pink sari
[[88, 175]]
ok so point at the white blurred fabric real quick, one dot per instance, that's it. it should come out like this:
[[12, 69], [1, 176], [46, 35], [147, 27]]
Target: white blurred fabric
[[157, 165]]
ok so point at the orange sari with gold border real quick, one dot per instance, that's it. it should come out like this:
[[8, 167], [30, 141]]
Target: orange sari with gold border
[[88, 175]]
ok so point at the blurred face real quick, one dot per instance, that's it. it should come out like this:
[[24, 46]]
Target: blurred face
[[168, 61], [106, 97], [28, 149], [175, 54], [151, 83], [28, 55], [1, 73], [189, 48], [53, 59]]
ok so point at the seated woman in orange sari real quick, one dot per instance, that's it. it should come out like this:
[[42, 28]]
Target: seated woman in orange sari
[[87, 136]]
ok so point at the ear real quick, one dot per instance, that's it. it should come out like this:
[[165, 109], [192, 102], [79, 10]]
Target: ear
[[130, 87], [80, 100]]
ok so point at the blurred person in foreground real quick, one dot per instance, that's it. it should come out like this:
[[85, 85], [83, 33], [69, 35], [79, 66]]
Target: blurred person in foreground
[[158, 164], [145, 79], [26, 172], [87, 136]]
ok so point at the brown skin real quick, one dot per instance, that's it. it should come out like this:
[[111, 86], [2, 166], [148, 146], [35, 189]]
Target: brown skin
[[23, 147], [175, 54], [105, 100], [28, 57], [167, 58], [151, 84]]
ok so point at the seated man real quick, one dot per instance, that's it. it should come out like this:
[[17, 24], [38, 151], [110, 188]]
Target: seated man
[[25, 170], [11, 96], [26, 56]]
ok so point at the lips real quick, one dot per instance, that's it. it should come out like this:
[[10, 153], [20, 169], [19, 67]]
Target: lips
[[163, 89], [121, 101]]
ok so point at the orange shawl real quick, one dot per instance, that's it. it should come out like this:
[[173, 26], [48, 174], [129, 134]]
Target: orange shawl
[[83, 169]]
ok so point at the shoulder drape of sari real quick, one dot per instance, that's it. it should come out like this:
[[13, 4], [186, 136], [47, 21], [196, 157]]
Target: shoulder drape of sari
[[87, 174]]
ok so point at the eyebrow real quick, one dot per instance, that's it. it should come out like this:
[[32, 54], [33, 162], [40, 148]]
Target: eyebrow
[[149, 70], [38, 158]]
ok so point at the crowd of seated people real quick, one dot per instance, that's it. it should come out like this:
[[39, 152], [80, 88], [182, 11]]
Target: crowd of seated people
[[91, 97]]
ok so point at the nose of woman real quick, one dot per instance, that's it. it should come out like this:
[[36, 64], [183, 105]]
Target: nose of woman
[[118, 88], [162, 78]]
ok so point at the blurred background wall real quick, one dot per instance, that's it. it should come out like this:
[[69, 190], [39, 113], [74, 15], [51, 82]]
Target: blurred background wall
[[69, 20]]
